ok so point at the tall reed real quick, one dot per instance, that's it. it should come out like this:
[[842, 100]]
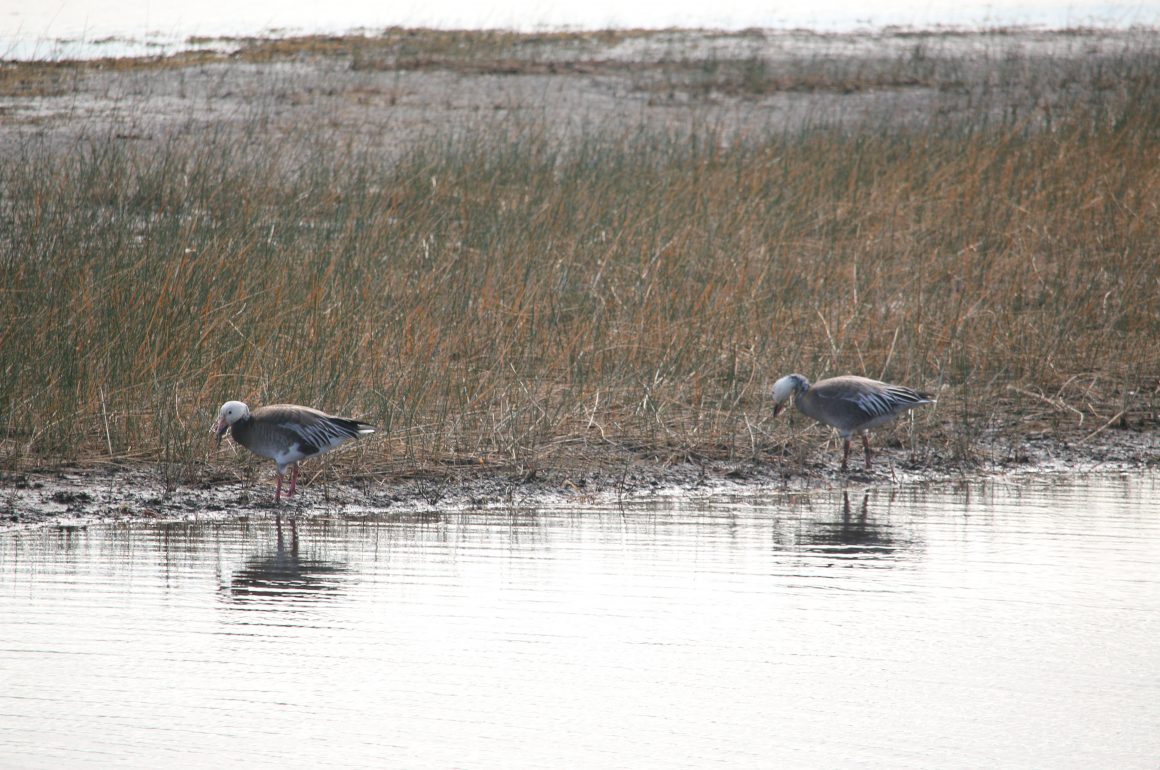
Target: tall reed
[[514, 300]]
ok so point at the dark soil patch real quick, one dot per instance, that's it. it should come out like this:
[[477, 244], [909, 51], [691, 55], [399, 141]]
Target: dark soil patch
[[127, 491]]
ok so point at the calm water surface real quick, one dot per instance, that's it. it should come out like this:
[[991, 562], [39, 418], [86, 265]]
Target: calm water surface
[[1012, 624]]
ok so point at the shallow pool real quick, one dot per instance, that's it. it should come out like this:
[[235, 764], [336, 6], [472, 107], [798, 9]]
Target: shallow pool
[[998, 624]]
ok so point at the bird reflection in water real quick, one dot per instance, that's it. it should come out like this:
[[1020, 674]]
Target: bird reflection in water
[[283, 574], [853, 532]]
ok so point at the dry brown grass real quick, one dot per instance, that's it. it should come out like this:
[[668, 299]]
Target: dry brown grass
[[514, 303]]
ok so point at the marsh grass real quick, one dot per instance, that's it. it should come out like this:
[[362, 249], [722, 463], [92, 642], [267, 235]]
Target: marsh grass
[[510, 302]]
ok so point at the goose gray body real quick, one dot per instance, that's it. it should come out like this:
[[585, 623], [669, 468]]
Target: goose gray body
[[849, 404], [287, 434]]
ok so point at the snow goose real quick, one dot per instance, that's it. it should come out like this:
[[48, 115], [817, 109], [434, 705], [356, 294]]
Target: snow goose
[[286, 433], [849, 404]]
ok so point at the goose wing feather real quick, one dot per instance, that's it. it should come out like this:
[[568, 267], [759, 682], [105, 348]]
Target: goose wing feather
[[313, 431], [872, 401], [324, 435]]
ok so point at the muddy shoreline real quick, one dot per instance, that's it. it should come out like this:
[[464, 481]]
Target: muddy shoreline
[[78, 494]]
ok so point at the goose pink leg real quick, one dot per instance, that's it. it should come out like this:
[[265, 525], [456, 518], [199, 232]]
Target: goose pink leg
[[293, 480]]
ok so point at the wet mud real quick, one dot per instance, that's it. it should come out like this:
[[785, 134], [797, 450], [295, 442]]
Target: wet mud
[[77, 493]]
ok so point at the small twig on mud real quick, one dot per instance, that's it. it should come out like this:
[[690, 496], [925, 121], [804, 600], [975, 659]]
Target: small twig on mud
[[1057, 403], [1102, 427]]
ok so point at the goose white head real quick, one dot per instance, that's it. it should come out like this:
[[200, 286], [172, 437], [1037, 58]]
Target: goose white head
[[231, 412], [786, 387]]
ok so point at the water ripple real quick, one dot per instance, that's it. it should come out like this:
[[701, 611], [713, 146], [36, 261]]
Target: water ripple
[[1003, 623]]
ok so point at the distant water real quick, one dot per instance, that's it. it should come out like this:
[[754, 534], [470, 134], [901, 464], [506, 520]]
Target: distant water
[[1003, 624], [88, 28]]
